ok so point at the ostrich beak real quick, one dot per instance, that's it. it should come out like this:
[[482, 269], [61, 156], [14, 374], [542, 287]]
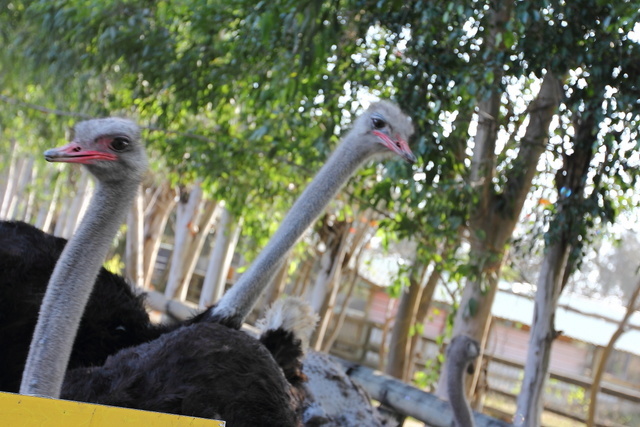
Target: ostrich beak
[[399, 146], [74, 153]]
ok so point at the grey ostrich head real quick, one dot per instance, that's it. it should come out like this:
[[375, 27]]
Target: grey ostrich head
[[385, 129], [463, 350], [109, 147]]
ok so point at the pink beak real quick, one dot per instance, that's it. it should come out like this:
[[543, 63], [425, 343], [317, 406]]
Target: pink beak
[[399, 146], [74, 153]]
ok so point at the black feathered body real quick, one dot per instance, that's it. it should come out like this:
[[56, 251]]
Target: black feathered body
[[114, 319], [206, 370]]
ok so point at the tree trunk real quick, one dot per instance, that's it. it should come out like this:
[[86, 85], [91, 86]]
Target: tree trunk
[[486, 249], [204, 226], [399, 344], [26, 211], [307, 280], [388, 319], [333, 237], [318, 292], [11, 177], [155, 222], [78, 205], [421, 317], [188, 212], [276, 287], [361, 236], [48, 207], [564, 231], [541, 336], [332, 282], [355, 273], [22, 170], [302, 278], [224, 246], [60, 216], [632, 306], [134, 248], [495, 215]]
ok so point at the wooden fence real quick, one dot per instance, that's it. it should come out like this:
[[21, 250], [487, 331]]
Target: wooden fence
[[359, 342]]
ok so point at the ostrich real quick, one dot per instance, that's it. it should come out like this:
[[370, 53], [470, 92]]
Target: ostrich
[[382, 129], [111, 150], [462, 351]]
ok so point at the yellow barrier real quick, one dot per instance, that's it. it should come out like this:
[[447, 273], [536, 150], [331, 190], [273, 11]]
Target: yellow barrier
[[28, 411]]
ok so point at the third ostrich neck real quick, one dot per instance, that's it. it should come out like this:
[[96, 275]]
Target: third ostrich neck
[[462, 353], [236, 304]]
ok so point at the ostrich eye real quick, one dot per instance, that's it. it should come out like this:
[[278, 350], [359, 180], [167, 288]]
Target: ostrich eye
[[119, 143], [378, 123]]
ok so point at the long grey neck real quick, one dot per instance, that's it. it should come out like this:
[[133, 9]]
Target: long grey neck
[[70, 287], [462, 414], [237, 303]]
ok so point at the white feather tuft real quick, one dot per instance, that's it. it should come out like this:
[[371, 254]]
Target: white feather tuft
[[291, 314]]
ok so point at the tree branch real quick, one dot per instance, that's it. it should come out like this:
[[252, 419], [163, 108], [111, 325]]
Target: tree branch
[[519, 177]]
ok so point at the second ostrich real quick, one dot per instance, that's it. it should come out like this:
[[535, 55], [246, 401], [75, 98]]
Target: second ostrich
[[461, 353], [382, 129]]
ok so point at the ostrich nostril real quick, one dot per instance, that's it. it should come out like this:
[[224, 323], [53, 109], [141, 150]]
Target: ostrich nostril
[[76, 149]]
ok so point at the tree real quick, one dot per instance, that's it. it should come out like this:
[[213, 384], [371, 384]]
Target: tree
[[496, 214], [155, 220], [194, 220], [594, 162], [227, 234], [400, 342]]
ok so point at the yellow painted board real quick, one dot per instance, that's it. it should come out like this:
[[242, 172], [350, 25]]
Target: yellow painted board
[[28, 411]]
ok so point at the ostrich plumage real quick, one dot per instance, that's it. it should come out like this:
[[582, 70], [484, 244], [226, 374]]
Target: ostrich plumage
[[344, 403], [115, 318], [208, 370]]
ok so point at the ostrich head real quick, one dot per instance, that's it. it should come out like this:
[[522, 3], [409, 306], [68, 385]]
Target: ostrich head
[[385, 129], [462, 351], [109, 147]]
